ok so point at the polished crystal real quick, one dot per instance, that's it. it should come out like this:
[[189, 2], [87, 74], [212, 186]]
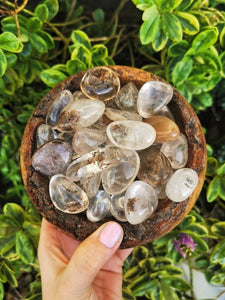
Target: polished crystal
[[120, 115], [44, 134], [91, 184], [126, 99], [99, 206], [117, 207]]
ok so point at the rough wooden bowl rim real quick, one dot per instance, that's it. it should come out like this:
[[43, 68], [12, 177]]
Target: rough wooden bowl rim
[[168, 214]]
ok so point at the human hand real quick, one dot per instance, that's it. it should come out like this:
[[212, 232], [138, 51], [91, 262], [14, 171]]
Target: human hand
[[90, 270]]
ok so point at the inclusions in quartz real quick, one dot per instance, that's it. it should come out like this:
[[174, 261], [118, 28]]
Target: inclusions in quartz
[[111, 150]]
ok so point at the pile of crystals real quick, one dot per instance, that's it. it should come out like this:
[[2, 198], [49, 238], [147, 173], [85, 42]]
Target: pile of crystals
[[113, 151]]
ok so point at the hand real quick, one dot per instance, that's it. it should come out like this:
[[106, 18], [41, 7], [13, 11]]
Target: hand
[[71, 270]]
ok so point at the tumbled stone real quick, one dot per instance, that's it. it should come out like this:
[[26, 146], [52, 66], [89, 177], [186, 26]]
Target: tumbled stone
[[99, 206], [80, 113], [152, 96], [126, 99], [91, 184], [166, 112], [52, 158], [140, 202], [66, 195], [155, 168], [117, 207], [161, 191], [78, 95], [131, 135], [57, 106], [100, 124], [176, 151], [44, 134], [120, 115], [116, 178], [181, 184], [100, 83], [166, 129], [86, 140]]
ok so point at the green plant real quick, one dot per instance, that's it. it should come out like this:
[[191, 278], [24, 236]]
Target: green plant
[[41, 45]]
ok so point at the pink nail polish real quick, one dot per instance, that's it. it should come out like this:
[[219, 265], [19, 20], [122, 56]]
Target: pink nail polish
[[111, 234]]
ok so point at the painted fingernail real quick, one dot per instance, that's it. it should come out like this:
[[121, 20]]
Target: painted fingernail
[[111, 234]]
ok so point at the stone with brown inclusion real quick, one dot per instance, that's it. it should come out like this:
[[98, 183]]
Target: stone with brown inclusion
[[155, 167], [166, 129]]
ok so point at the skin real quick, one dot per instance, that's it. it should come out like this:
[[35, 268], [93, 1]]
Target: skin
[[90, 270]]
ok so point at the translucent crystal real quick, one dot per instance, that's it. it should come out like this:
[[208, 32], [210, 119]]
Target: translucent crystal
[[152, 96], [119, 115], [127, 97], [66, 195], [57, 106], [52, 158], [78, 95], [44, 134], [155, 168], [176, 151], [100, 83], [161, 191], [117, 207], [166, 129], [166, 112], [140, 202], [100, 124], [131, 135], [99, 206], [118, 177], [66, 136], [86, 140], [91, 184], [181, 184], [92, 163], [80, 113]]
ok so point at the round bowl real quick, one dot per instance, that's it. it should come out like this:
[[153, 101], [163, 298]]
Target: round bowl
[[168, 213]]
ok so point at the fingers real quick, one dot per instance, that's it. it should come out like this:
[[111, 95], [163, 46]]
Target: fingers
[[92, 255]]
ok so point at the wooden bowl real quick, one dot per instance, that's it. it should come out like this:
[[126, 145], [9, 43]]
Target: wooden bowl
[[168, 213]]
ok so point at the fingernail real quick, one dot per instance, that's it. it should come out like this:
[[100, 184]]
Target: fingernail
[[111, 234]]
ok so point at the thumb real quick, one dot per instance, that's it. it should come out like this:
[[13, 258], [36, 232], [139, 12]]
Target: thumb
[[91, 255]]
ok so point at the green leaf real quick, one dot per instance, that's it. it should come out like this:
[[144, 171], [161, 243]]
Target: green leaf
[[221, 169], [222, 59], [189, 23], [176, 282], [24, 247], [38, 43], [160, 40], [7, 243], [99, 52], [201, 245], [149, 29], [52, 77], [127, 294], [140, 253], [218, 253], [178, 49], [53, 8], [222, 37], [204, 100], [212, 165], [189, 219], [47, 38], [150, 12], [218, 279], [75, 66], [1, 291], [80, 38], [168, 292], [11, 59], [202, 262], [184, 5], [7, 226], [9, 274], [197, 228], [204, 40], [164, 239], [41, 12], [9, 42], [219, 229], [147, 264], [222, 188], [132, 273], [83, 54], [172, 270], [3, 63], [143, 285], [34, 24], [14, 211], [213, 189], [98, 15], [168, 5], [182, 70], [172, 27], [11, 27]]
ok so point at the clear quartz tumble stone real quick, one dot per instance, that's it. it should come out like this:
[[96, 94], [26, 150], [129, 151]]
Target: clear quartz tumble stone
[[44, 134], [80, 113], [99, 206], [140, 202], [119, 115], [91, 184], [117, 207], [181, 184], [52, 158], [57, 106], [126, 99], [176, 151], [152, 96], [117, 178], [66, 195], [100, 83], [131, 135]]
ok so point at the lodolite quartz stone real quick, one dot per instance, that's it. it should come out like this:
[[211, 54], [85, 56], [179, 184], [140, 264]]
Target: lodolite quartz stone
[[153, 96], [181, 184], [52, 158], [119, 115], [66, 195], [117, 207], [131, 135], [99, 206], [140, 202], [44, 134], [91, 184], [100, 83], [126, 99]]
